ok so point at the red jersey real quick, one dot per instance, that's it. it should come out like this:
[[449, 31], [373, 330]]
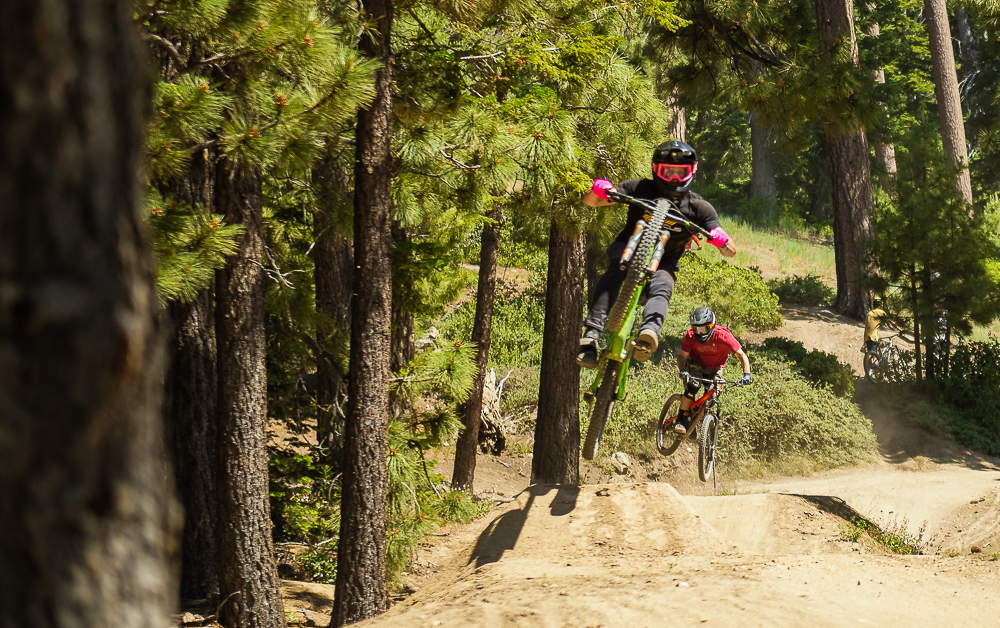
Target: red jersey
[[712, 354]]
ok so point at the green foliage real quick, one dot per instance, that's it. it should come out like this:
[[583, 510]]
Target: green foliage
[[738, 296], [929, 248], [189, 245], [780, 420], [808, 290], [893, 537], [821, 368], [782, 416], [971, 396], [516, 333]]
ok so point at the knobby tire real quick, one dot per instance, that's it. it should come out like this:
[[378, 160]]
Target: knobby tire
[[637, 267], [604, 401], [706, 446], [667, 441]]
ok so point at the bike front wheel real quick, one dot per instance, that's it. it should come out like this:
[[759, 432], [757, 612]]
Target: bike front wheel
[[871, 366], [667, 441], [636, 269], [604, 402], [706, 446]]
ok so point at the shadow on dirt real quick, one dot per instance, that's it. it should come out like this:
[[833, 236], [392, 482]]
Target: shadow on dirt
[[503, 532]]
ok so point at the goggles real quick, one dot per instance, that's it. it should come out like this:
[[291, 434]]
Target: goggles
[[675, 173], [703, 330]]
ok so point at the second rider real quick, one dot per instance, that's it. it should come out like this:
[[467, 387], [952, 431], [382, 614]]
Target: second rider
[[674, 166]]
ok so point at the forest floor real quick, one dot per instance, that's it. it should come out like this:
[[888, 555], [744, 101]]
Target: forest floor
[[653, 546]]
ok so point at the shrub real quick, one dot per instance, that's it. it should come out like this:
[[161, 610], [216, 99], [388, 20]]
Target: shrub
[[807, 290], [780, 419], [971, 391], [819, 367], [738, 296]]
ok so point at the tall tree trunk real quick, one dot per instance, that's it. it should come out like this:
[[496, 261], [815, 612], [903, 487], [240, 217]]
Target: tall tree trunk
[[248, 579], [189, 407], [946, 91], [333, 257], [86, 520], [402, 324], [850, 170], [361, 588], [763, 182], [676, 124], [472, 410], [885, 153], [190, 411], [557, 429]]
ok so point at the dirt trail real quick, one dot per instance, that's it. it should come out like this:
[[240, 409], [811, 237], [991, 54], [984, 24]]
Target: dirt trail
[[643, 554]]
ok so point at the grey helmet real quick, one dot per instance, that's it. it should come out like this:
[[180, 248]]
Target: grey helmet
[[702, 323]]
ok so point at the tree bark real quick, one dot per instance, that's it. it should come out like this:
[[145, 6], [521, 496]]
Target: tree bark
[[557, 429], [189, 407], [946, 91], [885, 153], [86, 519], [402, 324], [472, 410], [675, 125], [763, 182], [361, 588], [190, 412], [333, 257], [850, 171], [248, 581]]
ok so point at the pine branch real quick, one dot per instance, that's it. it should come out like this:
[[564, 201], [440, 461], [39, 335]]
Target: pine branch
[[168, 45]]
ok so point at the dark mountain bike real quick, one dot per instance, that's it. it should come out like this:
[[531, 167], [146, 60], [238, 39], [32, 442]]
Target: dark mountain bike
[[640, 260], [705, 413]]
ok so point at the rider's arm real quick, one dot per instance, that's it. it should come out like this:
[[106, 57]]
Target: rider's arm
[[596, 201], [744, 361], [682, 358]]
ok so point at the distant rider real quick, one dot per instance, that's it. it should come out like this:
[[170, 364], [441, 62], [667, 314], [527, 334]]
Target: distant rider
[[876, 316], [674, 165], [704, 351]]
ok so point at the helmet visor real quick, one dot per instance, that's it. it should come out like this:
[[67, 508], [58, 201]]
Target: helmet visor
[[674, 173], [703, 330]]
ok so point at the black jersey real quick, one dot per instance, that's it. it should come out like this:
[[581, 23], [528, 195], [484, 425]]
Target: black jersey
[[692, 206]]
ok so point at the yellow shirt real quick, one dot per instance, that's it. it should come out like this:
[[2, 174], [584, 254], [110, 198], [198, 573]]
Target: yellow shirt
[[872, 323]]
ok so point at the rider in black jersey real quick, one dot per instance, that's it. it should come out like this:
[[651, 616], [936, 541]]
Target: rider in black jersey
[[674, 167]]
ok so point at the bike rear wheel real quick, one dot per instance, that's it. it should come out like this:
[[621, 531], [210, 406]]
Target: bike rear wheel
[[604, 402], [667, 441], [706, 446], [636, 268]]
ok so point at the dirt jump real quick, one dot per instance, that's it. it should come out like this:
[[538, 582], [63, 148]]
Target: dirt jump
[[768, 552]]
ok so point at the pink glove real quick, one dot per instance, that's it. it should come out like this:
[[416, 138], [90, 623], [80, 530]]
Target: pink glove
[[601, 186], [717, 237]]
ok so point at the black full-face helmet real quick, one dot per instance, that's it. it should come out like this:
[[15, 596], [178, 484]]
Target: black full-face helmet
[[877, 302], [674, 165], [702, 323]]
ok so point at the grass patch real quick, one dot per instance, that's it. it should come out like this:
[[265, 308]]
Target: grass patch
[[892, 537], [792, 249]]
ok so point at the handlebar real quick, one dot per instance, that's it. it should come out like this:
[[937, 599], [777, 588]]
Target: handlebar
[[673, 213], [714, 381]]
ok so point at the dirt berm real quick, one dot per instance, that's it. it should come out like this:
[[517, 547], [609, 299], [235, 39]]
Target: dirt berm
[[643, 555]]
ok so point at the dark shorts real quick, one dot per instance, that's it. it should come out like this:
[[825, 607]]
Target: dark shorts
[[697, 370]]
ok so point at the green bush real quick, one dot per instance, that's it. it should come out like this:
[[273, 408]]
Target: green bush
[[821, 368], [516, 331], [801, 290], [778, 421], [738, 296], [971, 391]]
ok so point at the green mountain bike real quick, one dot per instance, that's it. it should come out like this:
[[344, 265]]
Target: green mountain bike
[[640, 260]]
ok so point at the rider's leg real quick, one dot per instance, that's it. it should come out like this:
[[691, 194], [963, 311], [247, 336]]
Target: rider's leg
[[605, 293], [683, 422], [660, 288]]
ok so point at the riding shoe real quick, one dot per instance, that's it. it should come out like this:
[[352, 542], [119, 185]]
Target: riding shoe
[[587, 357], [680, 426], [645, 345]]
